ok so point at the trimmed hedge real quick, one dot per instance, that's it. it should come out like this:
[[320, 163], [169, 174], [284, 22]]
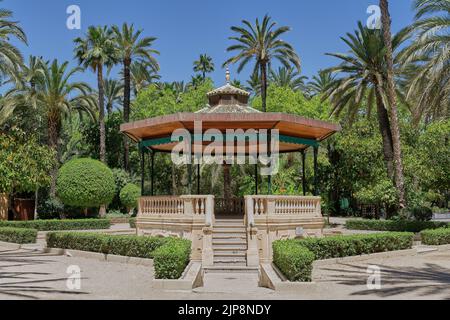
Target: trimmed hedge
[[293, 260], [53, 225], [353, 245], [132, 222], [170, 256], [171, 259], [436, 237], [295, 257], [393, 225], [18, 235]]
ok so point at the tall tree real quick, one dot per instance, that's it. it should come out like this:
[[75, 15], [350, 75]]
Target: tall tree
[[130, 46], [363, 72], [392, 98], [320, 82], [262, 43], [289, 78], [58, 95], [10, 57], [113, 94], [429, 84], [142, 76], [95, 51], [204, 65]]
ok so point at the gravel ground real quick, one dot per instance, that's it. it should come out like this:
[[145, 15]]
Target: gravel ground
[[27, 274]]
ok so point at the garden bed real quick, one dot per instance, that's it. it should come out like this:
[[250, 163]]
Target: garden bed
[[170, 255], [53, 225], [393, 225], [294, 258], [18, 235]]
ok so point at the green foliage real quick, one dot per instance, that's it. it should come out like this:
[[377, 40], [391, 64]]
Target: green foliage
[[171, 259], [392, 225], [85, 183], [171, 256], [422, 213], [284, 99], [18, 235], [352, 245], [49, 225], [293, 260], [129, 195], [436, 237], [132, 222], [24, 163], [295, 257]]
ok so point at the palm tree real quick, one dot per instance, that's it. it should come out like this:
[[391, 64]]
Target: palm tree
[[10, 57], [142, 76], [254, 84], [204, 65], [95, 51], [363, 78], [289, 78], [58, 96], [196, 81], [392, 98], [113, 94], [429, 85], [262, 43], [320, 83], [131, 47]]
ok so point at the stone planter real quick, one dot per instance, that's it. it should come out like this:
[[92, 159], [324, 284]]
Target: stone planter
[[23, 209], [4, 205]]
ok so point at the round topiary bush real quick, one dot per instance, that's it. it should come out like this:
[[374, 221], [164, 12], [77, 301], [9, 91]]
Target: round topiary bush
[[85, 183], [129, 195]]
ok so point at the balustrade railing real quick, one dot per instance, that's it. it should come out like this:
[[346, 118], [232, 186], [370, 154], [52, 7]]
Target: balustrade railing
[[283, 205], [231, 206]]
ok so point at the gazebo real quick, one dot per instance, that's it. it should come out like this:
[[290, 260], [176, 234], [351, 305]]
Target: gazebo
[[226, 129]]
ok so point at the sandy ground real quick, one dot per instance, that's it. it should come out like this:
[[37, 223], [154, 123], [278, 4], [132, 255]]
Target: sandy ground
[[27, 274]]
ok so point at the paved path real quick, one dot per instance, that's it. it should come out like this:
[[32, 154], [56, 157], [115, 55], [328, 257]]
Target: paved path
[[27, 274]]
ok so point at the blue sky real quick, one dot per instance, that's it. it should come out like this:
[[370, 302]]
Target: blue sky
[[186, 28]]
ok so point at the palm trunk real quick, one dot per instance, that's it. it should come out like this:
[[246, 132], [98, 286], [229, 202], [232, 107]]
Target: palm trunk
[[386, 135], [399, 179], [53, 136], [126, 111], [101, 117], [264, 85]]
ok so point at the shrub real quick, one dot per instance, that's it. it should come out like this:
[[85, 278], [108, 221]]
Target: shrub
[[51, 209], [171, 259], [171, 256], [85, 183], [436, 237], [49, 225], [129, 195], [18, 235], [295, 257], [393, 225], [293, 260], [132, 222], [352, 245], [421, 213]]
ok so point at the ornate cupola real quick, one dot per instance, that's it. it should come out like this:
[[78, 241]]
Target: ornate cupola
[[228, 99]]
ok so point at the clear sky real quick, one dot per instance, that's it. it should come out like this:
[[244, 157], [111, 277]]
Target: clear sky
[[186, 28]]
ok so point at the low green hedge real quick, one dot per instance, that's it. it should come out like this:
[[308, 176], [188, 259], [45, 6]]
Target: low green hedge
[[293, 260], [393, 225], [18, 235], [171, 259], [132, 222], [53, 225], [436, 237], [171, 256], [295, 257]]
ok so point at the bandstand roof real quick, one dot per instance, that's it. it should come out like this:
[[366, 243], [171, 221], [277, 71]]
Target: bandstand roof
[[228, 109]]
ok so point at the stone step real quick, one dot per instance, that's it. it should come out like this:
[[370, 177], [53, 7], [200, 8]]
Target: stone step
[[230, 254], [229, 230], [229, 240], [231, 268], [230, 263], [229, 247], [229, 222]]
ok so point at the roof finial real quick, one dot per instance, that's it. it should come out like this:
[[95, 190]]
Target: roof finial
[[227, 75]]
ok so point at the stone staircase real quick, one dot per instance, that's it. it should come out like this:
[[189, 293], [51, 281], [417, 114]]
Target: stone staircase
[[229, 243]]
